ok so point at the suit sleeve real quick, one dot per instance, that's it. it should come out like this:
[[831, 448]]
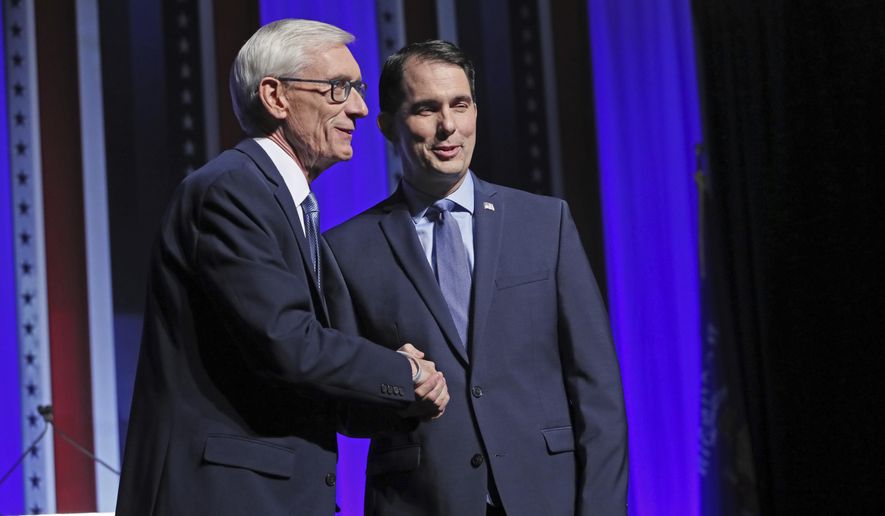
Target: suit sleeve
[[266, 304], [592, 379]]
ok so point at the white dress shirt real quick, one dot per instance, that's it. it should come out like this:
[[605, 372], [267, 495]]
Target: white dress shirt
[[292, 174]]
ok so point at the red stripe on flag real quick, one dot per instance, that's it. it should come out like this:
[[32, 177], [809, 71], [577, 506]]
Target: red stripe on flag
[[65, 252]]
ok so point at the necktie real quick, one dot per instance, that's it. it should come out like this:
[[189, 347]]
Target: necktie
[[312, 232], [452, 267]]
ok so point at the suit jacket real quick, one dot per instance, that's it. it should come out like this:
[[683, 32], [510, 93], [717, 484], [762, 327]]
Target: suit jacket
[[536, 396], [238, 374]]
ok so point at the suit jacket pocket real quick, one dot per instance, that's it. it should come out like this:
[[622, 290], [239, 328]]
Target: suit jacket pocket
[[242, 452], [521, 279], [559, 440], [394, 460]]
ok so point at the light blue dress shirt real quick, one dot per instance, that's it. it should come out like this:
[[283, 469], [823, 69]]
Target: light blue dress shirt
[[463, 213]]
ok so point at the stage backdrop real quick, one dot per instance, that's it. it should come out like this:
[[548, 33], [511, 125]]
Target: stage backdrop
[[168, 111]]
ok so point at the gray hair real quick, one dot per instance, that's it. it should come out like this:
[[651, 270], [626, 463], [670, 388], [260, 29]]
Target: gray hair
[[283, 47]]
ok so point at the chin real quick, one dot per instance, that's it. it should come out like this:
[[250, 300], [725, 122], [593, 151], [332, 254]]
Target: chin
[[452, 171]]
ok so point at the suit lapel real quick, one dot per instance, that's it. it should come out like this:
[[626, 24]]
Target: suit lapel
[[399, 230], [488, 213], [287, 204], [284, 199]]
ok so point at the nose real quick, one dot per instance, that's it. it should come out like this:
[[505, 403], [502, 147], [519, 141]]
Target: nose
[[446, 124], [355, 105]]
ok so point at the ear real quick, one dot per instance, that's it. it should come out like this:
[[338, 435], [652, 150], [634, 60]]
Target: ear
[[273, 98], [385, 123]]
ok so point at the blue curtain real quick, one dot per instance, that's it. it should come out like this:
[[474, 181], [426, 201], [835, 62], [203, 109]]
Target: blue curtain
[[648, 124]]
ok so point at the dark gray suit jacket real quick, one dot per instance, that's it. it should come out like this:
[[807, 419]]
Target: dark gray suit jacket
[[234, 410], [536, 396]]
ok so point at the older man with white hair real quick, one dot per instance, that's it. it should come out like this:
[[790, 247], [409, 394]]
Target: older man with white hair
[[240, 377]]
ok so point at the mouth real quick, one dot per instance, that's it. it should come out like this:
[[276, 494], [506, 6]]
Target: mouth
[[345, 130], [446, 152]]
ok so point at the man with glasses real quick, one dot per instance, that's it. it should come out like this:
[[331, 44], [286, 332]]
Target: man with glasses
[[495, 285], [240, 378]]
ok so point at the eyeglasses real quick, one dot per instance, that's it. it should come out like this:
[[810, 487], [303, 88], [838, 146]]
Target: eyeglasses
[[340, 87]]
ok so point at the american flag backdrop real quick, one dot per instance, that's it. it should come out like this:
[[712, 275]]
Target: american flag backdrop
[[63, 341], [127, 87]]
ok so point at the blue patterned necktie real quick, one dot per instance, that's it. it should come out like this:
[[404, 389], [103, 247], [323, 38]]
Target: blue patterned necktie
[[312, 232], [452, 266]]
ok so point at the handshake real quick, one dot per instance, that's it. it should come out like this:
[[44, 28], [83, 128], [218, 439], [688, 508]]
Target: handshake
[[431, 391]]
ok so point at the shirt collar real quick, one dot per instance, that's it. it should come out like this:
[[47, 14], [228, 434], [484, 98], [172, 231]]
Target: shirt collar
[[418, 201], [292, 174]]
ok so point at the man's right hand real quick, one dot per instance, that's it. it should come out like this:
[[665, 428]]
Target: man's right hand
[[431, 391]]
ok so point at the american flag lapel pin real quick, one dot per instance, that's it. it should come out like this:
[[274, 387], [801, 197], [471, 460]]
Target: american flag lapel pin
[[488, 206]]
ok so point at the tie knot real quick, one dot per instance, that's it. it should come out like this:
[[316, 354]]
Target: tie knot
[[309, 204], [436, 210]]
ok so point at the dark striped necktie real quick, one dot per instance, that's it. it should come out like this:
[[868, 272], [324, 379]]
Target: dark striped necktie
[[312, 232]]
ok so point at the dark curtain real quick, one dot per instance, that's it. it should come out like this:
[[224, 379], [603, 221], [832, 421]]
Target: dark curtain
[[793, 101]]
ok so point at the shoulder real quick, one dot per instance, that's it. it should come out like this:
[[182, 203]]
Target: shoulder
[[233, 172], [229, 162], [360, 223], [521, 202], [230, 181]]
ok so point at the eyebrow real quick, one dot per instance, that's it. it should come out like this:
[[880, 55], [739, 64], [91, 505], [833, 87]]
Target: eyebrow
[[342, 77], [421, 104], [431, 103]]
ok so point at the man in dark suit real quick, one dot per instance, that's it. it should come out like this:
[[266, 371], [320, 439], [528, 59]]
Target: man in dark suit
[[496, 286], [239, 377]]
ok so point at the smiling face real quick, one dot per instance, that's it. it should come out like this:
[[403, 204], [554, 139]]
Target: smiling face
[[319, 130], [434, 128]]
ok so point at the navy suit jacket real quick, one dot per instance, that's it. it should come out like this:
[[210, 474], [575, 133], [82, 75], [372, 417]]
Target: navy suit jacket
[[536, 396], [234, 409]]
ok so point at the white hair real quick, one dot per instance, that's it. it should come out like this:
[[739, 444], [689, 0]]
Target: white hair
[[280, 48]]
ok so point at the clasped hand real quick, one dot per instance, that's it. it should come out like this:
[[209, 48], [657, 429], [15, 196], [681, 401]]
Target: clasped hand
[[431, 391]]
